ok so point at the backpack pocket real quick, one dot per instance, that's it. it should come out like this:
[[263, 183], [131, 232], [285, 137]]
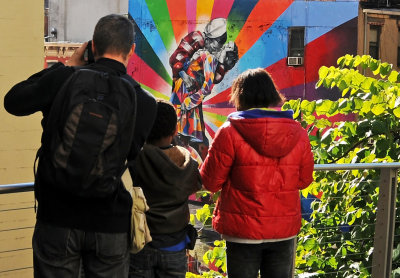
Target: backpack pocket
[[89, 130]]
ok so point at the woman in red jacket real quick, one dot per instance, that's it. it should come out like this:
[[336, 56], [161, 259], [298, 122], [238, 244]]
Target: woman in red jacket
[[260, 159]]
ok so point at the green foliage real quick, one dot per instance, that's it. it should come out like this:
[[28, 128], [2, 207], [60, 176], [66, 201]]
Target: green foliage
[[208, 274], [204, 214], [217, 255], [337, 241]]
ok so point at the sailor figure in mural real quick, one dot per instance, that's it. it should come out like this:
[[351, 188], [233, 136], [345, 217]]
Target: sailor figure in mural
[[200, 61]]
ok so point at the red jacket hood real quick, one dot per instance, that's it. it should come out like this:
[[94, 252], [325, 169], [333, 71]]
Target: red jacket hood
[[270, 133]]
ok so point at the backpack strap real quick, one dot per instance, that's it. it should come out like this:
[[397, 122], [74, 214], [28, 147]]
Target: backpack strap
[[134, 86]]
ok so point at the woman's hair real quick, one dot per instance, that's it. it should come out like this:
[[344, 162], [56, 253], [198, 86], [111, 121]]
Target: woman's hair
[[165, 122], [255, 88]]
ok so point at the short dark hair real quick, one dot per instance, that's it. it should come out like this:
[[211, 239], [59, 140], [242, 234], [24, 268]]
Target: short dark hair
[[255, 88], [165, 122], [113, 34]]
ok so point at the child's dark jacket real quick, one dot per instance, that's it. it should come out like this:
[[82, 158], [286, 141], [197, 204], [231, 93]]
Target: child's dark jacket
[[167, 177]]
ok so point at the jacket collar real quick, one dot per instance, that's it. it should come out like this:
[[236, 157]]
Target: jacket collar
[[256, 113], [113, 64]]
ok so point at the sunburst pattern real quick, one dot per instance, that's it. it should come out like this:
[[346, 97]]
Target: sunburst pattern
[[259, 29]]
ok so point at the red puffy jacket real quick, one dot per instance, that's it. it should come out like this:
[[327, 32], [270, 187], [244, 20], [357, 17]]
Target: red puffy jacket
[[259, 160]]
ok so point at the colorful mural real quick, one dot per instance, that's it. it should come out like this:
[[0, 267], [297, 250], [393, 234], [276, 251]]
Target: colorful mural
[[259, 29]]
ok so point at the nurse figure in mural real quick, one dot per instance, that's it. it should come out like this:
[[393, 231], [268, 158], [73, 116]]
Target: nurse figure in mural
[[200, 61]]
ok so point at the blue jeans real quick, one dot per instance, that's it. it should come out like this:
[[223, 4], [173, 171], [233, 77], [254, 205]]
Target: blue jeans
[[155, 263], [64, 252], [272, 259]]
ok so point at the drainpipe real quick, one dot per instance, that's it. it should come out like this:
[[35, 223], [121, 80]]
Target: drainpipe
[[365, 35]]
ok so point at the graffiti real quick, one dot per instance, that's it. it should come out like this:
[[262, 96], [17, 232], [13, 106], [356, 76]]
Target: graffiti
[[258, 29], [200, 61]]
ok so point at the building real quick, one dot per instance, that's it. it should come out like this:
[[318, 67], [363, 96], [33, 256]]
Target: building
[[68, 23], [378, 30]]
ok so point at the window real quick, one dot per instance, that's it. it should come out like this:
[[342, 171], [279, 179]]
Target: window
[[374, 34], [296, 42], [296, 46]]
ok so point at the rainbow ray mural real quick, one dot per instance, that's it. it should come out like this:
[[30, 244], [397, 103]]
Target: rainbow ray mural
[[174, 57]]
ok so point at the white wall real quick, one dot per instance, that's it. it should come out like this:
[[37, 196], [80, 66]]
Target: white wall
[[75, 19]]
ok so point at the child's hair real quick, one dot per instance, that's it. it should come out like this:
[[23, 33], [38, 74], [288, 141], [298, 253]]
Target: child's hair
[[165, 122], [255, 88]]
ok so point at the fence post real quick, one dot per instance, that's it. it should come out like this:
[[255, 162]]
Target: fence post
[[384, 226]]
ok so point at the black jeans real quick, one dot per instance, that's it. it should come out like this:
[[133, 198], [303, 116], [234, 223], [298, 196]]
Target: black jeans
[[272, 259], [64, 252], [155, 263]]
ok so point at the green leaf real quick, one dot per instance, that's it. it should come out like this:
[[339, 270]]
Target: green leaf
[[393, 76], [333, 109], [327, 136], [322, 123], [344, 251], [378, 109], [341, 61], [378, 127], [344, 106], [310, 244], [323, 72], [353, 219], [345, 91], [366, 107], [323, 106], [377, 71], [396, 112], [385, 68], [308, 107], [358, 103], [310, 119], [373, 64], [382, 146], [366, 84], [332, 262]]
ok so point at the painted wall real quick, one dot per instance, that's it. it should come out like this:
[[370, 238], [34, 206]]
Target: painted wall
[[75, 19], [260, 30], [21, 54]]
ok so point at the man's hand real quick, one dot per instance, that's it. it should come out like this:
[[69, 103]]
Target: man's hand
[[77, 59], [231, 56], [189, 81]]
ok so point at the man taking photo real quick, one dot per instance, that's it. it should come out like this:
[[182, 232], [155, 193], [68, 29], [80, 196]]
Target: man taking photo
[[95, 117]]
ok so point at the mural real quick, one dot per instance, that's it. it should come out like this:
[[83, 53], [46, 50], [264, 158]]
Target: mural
[[189, 51]]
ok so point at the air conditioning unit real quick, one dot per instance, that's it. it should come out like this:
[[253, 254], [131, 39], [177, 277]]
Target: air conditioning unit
[[294, 61]]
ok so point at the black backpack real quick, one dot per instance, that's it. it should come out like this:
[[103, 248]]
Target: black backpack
[[88, 135]]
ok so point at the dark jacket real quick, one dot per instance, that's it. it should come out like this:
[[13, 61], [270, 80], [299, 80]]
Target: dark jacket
[[168, 177], [259, 160], [111, 214]]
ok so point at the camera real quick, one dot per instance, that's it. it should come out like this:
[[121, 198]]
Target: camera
[[88, 55]]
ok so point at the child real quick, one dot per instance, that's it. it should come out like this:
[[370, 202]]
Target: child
[[259, 159], [168, 176]]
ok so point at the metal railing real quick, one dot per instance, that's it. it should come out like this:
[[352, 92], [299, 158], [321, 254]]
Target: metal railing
[[384, 225], [386, 212], [16, 188]]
